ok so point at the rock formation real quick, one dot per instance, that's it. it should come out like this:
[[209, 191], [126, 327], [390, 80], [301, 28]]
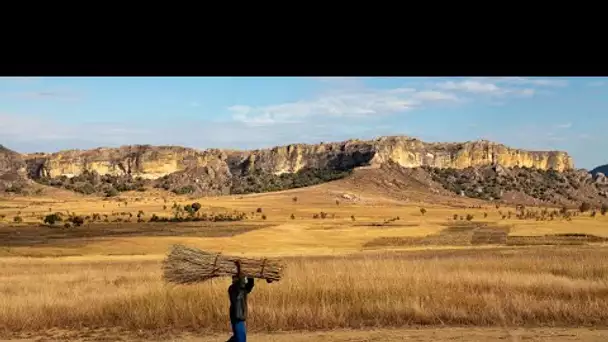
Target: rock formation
[[152, 162]]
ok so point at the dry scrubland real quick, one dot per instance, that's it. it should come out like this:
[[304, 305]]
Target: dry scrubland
[[369, 272]]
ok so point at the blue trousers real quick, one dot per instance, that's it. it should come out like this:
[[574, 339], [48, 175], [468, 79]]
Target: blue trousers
[[239, 332]]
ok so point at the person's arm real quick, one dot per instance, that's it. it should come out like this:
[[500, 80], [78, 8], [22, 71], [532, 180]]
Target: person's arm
[[249, 285]]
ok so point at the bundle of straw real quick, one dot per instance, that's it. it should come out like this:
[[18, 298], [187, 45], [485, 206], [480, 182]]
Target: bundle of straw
[[186, 265]]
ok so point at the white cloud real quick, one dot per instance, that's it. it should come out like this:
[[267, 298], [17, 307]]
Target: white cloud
[[564, 125], [471, 86], [596, 84], [354, 103], [550, 82]]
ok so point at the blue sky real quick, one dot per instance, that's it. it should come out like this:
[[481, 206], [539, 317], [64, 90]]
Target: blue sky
[[49, 114]]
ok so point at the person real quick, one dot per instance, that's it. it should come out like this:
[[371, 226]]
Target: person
[[237, 292]]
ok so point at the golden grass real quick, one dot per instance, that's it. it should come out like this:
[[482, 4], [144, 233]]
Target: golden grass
[[113, 278], [548, 286]]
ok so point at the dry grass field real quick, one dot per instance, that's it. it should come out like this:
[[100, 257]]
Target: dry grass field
[[358, 268]]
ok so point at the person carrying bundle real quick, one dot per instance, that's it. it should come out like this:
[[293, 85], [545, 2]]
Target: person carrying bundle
[[237, 292]]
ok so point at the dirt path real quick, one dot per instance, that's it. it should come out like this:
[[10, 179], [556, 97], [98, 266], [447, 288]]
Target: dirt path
[[385, 335], [427, 335]]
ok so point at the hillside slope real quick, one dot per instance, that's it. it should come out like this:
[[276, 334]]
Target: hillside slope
[[12, 171], [603, 169]]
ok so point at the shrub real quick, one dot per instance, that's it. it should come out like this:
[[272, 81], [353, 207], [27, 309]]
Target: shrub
[[604, 209], [263, 217], [469, 217], [294, 199], [196, 206], [352, 217], [455, 217], [17, 219], [422, 211], [76, 220], [292, 217], [67, 225], [258, 210], [52, 219], [585, 206]]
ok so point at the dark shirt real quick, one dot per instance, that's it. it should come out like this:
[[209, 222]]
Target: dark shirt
[[238, 292]]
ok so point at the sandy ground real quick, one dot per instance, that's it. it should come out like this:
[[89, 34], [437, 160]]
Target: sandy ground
[[418, 335], [424, 335]]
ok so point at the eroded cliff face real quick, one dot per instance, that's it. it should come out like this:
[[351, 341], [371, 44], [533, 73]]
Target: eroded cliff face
[[406, 152], [414, 153], [153, 162], [12, 169], [149, 162]]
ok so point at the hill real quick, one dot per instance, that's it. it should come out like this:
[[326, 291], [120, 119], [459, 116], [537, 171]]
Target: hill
[[603, 169], [13, 178], [397, 166]]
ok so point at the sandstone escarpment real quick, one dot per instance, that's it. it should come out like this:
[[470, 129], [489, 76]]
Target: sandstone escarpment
[[403, 151], [153, 162], [12, 171], [145, 161]]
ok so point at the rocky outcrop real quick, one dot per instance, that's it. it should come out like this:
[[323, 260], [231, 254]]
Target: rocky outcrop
[[145, 161], [403, 151], [153, 162], [13, 176]]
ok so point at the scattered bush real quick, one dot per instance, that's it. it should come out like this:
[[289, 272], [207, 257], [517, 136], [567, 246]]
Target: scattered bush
[[260, 181], [237, 216], [293, 217], [17, 219], [422, 211], [52, 219], [470, 217]]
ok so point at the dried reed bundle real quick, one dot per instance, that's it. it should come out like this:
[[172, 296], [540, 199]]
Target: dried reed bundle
[[186, 265]]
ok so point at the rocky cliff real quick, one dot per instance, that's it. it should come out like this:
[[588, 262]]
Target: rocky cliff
[[145, 161], [153, 162], [13, 176]]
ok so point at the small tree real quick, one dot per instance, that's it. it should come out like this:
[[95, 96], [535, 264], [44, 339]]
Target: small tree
[[294, 199], [352, 217], [585, 206], [455, 217], [422, 211], [77, 220], [17, 219], [258, 210], [293, 217], [263, 217], [485, 215], [604, 209], [52, 219], [469, 217]]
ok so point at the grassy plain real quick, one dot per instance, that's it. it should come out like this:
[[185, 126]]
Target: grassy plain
[[343, 273]]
